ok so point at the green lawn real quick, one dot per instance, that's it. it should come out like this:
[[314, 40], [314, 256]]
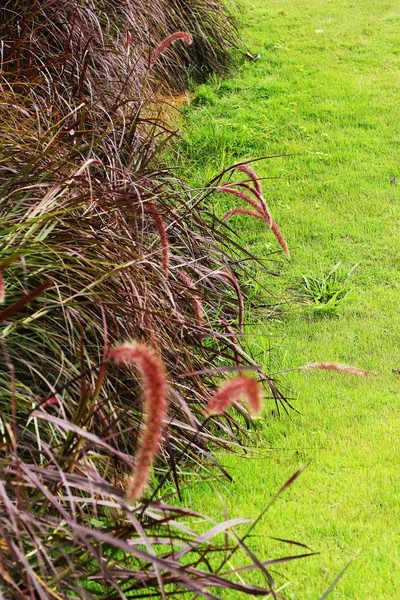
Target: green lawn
[[326, 92]]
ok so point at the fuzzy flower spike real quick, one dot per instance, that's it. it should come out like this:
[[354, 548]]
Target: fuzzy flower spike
[[339, 367], [184, 36], [155, 392], [239, 387]]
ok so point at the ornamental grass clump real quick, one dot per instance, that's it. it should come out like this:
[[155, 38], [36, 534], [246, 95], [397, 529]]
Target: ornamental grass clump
[[101, 242]]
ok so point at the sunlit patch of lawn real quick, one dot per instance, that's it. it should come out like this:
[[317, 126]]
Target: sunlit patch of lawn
[[325, 96]]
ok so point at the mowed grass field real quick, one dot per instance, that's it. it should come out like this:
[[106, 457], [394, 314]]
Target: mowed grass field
[[325, 96]]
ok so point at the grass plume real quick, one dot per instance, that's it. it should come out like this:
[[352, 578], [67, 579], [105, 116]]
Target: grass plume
[[339, 367], [241, 386], [155, 391], [184, 36]]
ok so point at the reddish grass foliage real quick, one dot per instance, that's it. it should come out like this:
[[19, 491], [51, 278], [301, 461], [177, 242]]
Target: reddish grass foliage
[[160, 225], [194, 297], [236, 287], [88, 207], [2, 288], [234, 340]]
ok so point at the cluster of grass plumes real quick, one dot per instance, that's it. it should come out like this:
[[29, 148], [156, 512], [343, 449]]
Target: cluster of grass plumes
[[250, 191], [99, 243]]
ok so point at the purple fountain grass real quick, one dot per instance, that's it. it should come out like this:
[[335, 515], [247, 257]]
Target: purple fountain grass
[[75, 218], [52, 401], [339, 367], [194, 297], [228, 189], [153, 211], [261, 208], [2, 288], [128, 40], [252, 174], [236, 286], [257, 190], [261, 204], [19, 304], [232, 390], [234, 341], [162, 47], [155, 389]]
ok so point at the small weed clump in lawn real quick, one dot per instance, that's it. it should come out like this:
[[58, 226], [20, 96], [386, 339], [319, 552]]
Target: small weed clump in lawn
[[328, 291]]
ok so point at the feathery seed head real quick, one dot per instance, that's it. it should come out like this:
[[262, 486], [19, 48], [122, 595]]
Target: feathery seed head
[[339, 367], [227, 188], [233, 389], [281, 240], [155, 392], [252, 174], [261, 208], [161, 48]]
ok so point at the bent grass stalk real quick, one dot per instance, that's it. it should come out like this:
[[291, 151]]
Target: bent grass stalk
[[155, 389], [236, 286], [234, 341]]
